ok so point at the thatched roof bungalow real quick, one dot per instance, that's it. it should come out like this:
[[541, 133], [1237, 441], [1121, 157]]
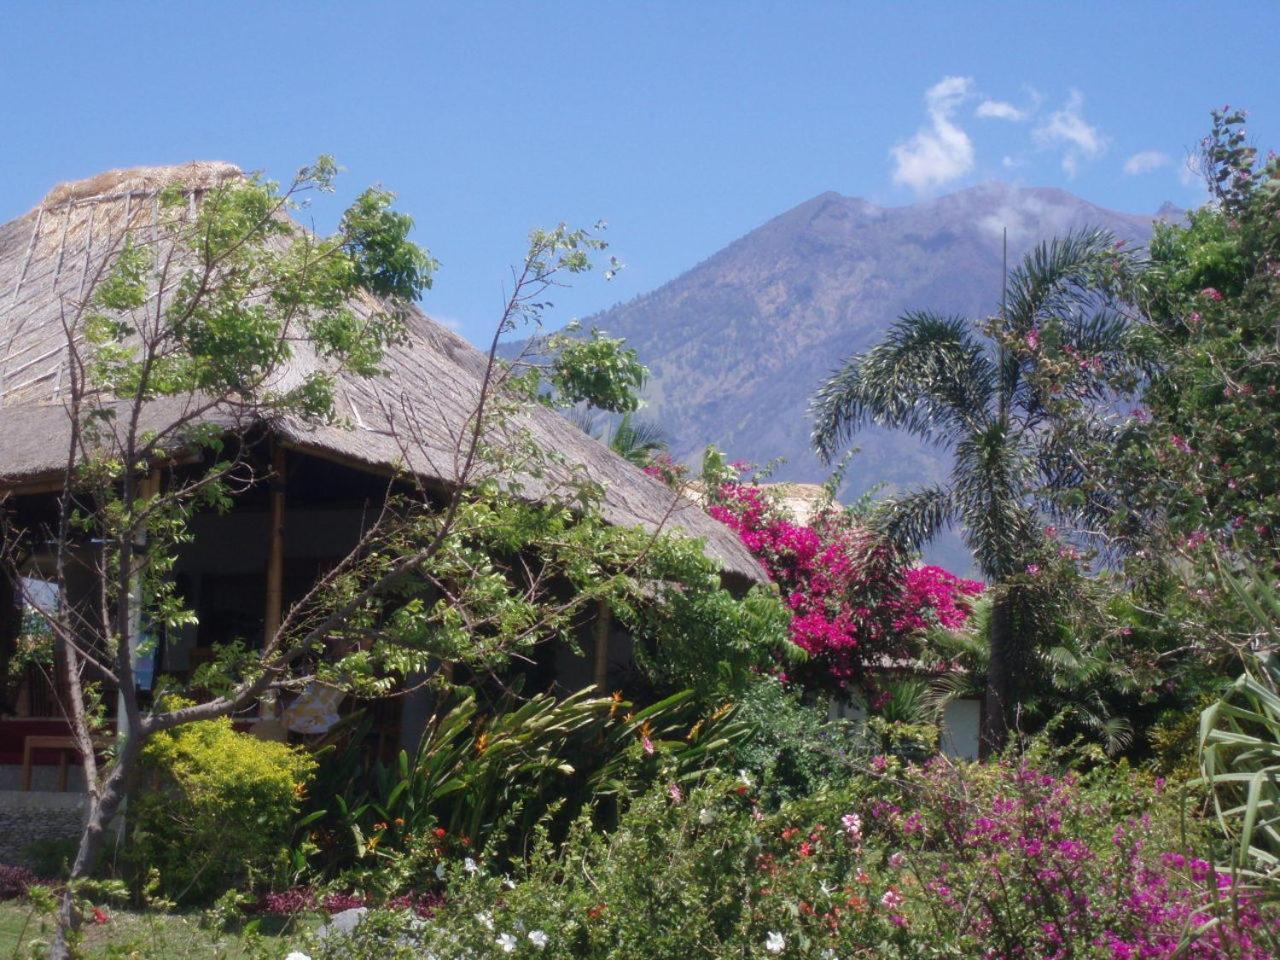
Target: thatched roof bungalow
[[48, 260]]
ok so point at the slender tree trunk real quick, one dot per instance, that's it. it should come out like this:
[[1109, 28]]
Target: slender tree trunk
[[104, 804], [999, 696]]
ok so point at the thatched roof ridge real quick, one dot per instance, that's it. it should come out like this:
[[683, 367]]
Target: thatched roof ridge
[[141, 181], [49, 257]]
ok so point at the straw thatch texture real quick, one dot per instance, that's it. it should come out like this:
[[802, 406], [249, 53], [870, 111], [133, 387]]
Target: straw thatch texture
[[50, 257]]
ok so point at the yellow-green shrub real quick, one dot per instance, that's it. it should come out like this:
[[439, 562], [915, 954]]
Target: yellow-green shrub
[[214, 807]]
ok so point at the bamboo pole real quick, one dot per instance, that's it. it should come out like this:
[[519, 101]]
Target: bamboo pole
[[603, 624], [274, 611], [268, 727], [10, 627]]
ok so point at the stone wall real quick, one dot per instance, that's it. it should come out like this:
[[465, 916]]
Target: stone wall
[[26, 817]]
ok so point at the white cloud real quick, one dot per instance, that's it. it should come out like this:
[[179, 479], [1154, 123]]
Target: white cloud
[[1146, 161], [1000, 110], [1067, 129], [940, 152], [1027, 218]]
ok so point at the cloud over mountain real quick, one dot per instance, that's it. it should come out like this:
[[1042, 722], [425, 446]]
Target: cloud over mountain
[[941, 151]]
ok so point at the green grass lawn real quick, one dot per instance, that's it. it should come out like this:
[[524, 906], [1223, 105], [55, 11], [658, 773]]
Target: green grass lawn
[[144, 936]]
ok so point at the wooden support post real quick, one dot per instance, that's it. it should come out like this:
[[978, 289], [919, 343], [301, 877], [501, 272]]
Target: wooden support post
[[274, 612], [10, 627], [603, 624], [268, 727]]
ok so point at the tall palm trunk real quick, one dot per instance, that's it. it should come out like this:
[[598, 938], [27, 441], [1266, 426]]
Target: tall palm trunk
[[1000, 686]]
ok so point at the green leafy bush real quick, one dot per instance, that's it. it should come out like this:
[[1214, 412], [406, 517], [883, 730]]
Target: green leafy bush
[[485, 779], [215, 808], [794, 749]]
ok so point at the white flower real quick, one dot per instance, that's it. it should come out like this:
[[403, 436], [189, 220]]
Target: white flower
[[507, 942], [745, 778], [470, 865], [775, 942], [538, 938], [440, 870], [706, 816], [297, 955], [508, 883], [486, 920]]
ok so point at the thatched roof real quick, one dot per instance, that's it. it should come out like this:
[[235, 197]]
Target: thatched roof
[[48, 259]]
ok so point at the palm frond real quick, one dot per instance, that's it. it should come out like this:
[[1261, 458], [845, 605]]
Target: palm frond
[[990, 477], [637, 440], [1054, 277], [930, 376], [913, 519]]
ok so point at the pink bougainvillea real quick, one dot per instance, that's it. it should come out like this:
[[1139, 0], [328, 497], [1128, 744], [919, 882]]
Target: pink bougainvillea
[[853, 601], [932, 596]]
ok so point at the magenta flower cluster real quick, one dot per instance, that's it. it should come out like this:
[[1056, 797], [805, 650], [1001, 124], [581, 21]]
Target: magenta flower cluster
[[933, 596], [852, 600]]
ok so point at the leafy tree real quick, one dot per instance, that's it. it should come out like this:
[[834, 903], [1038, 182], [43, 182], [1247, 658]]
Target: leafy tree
[[1008, 399], [1200, 464]]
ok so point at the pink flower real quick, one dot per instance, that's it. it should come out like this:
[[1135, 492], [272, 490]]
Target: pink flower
[[1033, 568], [852, 824], [1033, 338], [675, 793], [1180, 444], [648, 745], [892, 898], [1212, 293]]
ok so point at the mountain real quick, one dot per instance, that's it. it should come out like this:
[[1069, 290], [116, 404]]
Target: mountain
[[738, 344]]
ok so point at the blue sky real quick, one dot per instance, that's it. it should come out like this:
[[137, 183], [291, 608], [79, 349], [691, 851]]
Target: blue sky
[[684, 125]]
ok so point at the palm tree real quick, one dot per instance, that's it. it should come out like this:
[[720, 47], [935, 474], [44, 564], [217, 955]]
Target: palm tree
[[636, 441], [982, 392]]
